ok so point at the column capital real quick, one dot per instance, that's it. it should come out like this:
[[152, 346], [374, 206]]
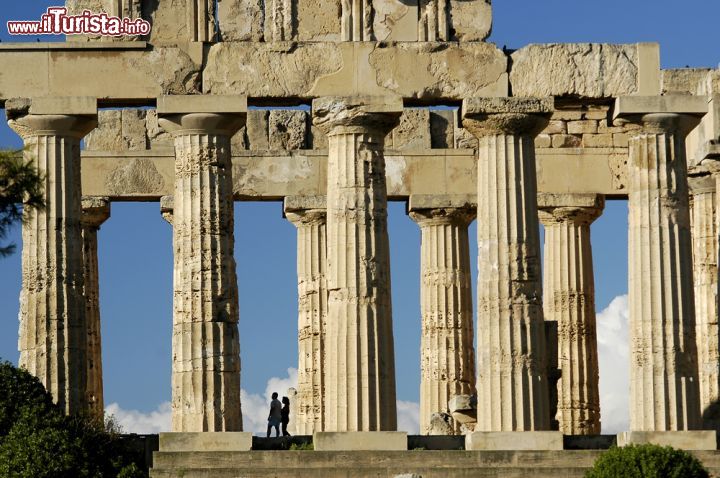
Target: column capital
[[305, 210], [70, 117], [661, 114], [460, 216], [520, 116], [581, 209], [207, 114], [701, 184], [357, 114], [95, 211]]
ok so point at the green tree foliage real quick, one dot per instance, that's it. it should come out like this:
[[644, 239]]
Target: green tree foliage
[[38, 441], [647, 461], [20, 187]]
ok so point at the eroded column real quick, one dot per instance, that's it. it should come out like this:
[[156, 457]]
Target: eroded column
[[664, 393], [512, 377], [206, 347], [569, 300], [705, 275], [356, 20], [53, 327], [433, 24], [95, 211], [360, 373], [447, 356], [309, 217]]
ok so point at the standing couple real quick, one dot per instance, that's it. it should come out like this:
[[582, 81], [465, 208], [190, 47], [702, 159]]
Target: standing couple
[[279, 413]]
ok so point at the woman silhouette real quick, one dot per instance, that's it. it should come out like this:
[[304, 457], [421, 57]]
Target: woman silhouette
[[285, 415]]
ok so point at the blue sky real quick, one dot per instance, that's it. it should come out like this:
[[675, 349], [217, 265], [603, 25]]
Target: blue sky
[[135, 244]]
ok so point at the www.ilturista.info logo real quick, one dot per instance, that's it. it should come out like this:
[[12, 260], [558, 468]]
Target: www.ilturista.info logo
[[57, 22]]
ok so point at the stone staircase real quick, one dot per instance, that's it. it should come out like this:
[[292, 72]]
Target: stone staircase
[[388, 464]]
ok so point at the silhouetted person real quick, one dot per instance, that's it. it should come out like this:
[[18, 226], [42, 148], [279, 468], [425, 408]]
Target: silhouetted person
[[275, 416], [285, 415]]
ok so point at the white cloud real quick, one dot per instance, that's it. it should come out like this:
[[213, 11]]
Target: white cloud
[[408, 417], [613, 350], [134, 421]]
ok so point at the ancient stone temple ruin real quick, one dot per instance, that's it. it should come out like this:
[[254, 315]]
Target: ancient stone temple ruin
[[334, 108]]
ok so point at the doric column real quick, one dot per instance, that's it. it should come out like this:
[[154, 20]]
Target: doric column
[[447, 355], [705, 275], [309, 216], [206, 347], [512, 376], [569, 300], [664, 393], [356, 20], [53, 334], [95, 211], [360, 374]]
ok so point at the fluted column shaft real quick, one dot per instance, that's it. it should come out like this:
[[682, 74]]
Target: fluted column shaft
[[95, 211], [447, 354], [569, 299], [705, 275], [206, 347], [664, 392], [360, 374], [53, 335], [512, 361], [312, 317]]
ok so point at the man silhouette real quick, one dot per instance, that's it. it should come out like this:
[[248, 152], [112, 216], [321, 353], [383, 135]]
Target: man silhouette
[[275, 416]]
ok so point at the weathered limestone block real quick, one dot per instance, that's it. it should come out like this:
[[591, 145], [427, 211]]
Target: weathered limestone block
[[178, 21], [240, 20], [53, 339], [684, 81], [95, 211], [705, 275], [156, 136], [569, 300], [206, 347], [278, 20], [408, 69], [447, 355], [413, 132], [134, 129], [169, 68], [257, 130], [108, 135], [139, 176], [590, 70], [441, 424], [664, 393], [463, 409], [512, 379], [442, 128], [395, 20], [310, 220], [287, 129], [318, 20], [470, 20], [360, 387]]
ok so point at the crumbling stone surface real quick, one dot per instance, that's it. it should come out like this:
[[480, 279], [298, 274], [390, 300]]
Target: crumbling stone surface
[[442, 128], [471, 20], [134, 129], [589, 70], [413, 132], [257, 130], [108, 135], [441, 424], [684, 81], [139, 176], [171, 68], [395, 20], [287, 129], [240, 20], [318, 20]]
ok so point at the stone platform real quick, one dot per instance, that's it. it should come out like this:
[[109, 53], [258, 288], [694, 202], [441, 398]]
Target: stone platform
[[427, 464]]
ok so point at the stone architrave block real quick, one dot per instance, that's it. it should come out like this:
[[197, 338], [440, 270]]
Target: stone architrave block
[[206, 441], [318, 20], [517, 441], [413, 132], [684, 440], [155, 134], [360, 441], [257, 130], [169, 21], [471, 20], [240, 20], [684, 81], [395, 20], [108, 134], [287, 129]]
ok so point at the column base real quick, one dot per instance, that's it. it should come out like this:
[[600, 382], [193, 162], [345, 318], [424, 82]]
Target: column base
[[360, 441], [518, 441], [684, 440], [206, 441]]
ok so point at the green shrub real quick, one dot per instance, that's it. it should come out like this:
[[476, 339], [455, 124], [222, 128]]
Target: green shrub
[[302, 447], [38, 441], [647, 461]]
